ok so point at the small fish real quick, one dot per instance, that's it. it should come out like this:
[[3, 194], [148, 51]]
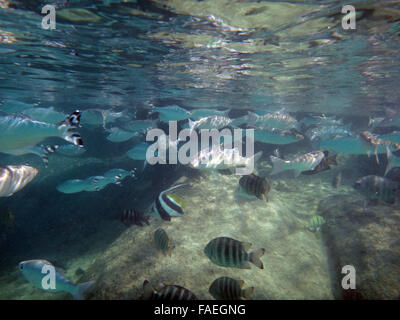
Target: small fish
[[299, 164], [378, 188], [14, 178], [42, 151], [162, 241], [255, 186], [371, 142], [32, 271], [167, 292], [225, 288], [138, 152], [327, 132], [95, 183], [272, 121], [171, 113], [98, 117], [70, 150], [324, 165], [211, 122], [346, 145], [120, 174], [197, 114], [393, 162], [337, 179], [139, 125], [316, 222], [131, 217], [18, 132], [228, 252], [168, 205], [214, 158], [119, 135], [48, 115], [321, 121], [277, 136]]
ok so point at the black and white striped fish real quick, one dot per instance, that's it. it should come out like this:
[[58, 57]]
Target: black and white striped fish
[[255, 186], [228, 252], [19, 133], [130, 217], [378, 188], [166, 206], [225, 288], [168, 292], [162, 241]]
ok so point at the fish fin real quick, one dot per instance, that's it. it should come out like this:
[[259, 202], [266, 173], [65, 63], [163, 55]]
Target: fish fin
[[247, 293], [174, 187], [246, 265], [82, 287], [277, 165], [252, 118], [376, 155], [296, 173], [257, 156], [192, 124], [240, 283], [68, 126], [389, 156], [255, 257], [246, 245], [148, 290]]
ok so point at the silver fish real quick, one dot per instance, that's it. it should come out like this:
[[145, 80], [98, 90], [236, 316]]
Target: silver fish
[[211, 122], [216, 158], [299, 164], [171, 113], [48, 115], [14, 178], [197, 114], [32, 270], [272, 121], [18, 132], [277, 136]]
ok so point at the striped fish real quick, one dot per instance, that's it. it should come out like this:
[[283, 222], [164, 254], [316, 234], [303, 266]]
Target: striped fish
[[19, 132], [371, 143], [14, 178], [378, 188], [166, 206], [228, 252], [32, 271], [255, 186], [168, 292], [162, 241], [316, 222], [130, 217], [225, 288]]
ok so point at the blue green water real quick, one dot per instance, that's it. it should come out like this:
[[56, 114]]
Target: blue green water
[[278, 57]]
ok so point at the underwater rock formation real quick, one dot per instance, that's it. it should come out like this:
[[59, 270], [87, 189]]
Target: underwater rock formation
[[366, 238]]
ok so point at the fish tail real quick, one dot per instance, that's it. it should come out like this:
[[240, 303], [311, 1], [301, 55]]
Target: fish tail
[[68, 126], [277, 165], [389, 165], [247, 293], [45, 153], [255, 257], [148, 290], [82, 287], [174, 187]]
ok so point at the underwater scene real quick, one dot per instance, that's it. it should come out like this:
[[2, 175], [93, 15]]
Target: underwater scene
[[199, 149]]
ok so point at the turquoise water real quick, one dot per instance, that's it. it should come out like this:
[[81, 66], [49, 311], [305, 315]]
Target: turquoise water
[[115, 61]]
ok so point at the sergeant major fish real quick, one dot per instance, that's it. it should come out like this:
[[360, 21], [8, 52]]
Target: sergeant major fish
[[228, 252], [299, 164], [18, 132], [162, 241], [378, 188], [254, 186], [225, 288], [167, 292], [32, 270]]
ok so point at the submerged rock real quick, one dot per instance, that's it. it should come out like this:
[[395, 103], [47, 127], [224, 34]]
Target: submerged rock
[[366, 238]]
